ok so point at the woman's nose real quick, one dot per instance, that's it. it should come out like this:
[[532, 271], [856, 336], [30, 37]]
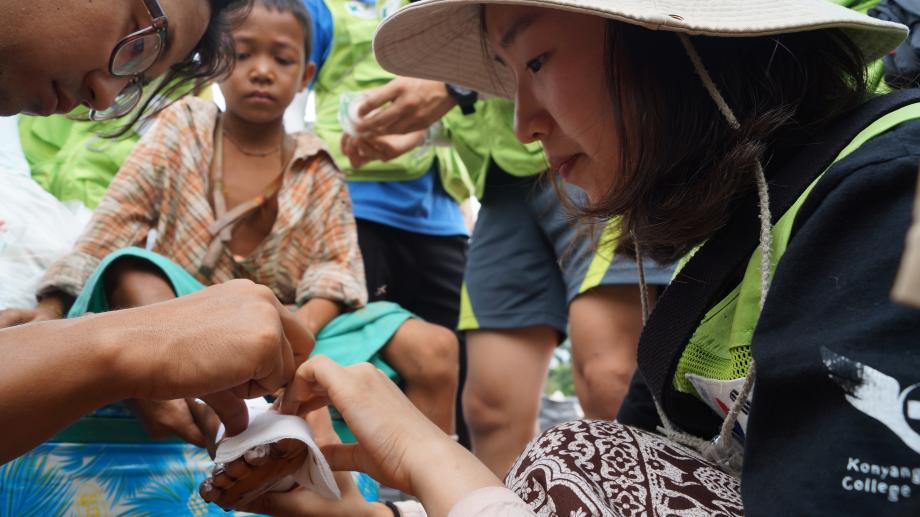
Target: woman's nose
[[531, 122]]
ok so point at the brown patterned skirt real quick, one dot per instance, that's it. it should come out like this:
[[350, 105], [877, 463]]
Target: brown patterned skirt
[[584, 468]]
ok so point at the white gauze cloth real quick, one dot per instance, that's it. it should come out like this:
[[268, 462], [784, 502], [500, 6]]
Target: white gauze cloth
[[267, 426]]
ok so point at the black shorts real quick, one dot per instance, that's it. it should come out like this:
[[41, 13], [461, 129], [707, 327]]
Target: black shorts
[[422, 273]]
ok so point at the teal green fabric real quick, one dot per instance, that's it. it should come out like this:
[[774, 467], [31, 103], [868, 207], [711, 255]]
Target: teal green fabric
[[351, 67], [350, 338], [93, 299], [357, 337]]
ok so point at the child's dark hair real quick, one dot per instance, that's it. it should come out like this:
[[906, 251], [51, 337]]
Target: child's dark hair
[[299, 11]]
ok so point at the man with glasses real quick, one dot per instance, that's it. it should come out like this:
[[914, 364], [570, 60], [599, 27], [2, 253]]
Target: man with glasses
[[53, 372]]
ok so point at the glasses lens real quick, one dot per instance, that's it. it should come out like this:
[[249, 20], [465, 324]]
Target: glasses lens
[[124, 102], [136, 56]]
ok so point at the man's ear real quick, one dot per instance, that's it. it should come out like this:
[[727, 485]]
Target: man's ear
[[308, 73]]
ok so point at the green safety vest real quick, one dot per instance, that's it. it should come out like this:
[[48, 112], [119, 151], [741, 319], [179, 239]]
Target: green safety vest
[[69, 159], [351, 67], [720, 348], [489, 133]]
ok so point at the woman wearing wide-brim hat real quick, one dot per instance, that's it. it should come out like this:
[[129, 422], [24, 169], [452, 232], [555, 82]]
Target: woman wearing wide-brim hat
[[741, 134]]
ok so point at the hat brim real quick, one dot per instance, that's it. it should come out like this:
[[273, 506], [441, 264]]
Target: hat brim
[[441, 39]]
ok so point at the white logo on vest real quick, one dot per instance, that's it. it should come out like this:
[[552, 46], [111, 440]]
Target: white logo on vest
[[878, 395]]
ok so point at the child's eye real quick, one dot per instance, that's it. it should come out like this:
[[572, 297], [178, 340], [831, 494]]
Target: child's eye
[[241, 55], [284, 62], [536, 63]]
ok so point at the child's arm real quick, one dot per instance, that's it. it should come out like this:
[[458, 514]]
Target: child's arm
[[335, 272], [315, 314], [129, 210]]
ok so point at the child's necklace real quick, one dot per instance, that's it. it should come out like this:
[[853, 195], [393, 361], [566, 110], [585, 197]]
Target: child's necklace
[[254, 154]]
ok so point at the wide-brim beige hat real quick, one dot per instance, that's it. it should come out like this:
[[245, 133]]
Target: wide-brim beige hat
[[441, 39]]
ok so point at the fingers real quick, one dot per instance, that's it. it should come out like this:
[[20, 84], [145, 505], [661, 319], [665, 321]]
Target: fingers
[[207, 421], [297, 334], [256, 471], [320, 422], [13, 317], [307, 384], [230, 409], [381, 123], [356, 155], [190, 432], [374, 99], [344, 456]]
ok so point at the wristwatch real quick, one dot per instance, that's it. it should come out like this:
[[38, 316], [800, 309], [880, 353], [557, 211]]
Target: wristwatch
[[465, 97]]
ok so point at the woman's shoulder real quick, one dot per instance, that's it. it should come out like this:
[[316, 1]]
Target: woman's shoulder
[[897, 143]]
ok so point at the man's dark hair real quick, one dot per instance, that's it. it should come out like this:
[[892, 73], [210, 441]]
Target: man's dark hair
[[299, 10], [211, 59]]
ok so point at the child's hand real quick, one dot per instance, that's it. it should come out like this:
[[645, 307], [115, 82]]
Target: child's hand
[[301, 502], [13, 317], [44, 312], [304, 503], [251, 475]]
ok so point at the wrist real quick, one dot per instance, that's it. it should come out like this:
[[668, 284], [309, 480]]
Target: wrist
[[439, 485], [465, 98], [104, 356], [123, 350], [54, 303]]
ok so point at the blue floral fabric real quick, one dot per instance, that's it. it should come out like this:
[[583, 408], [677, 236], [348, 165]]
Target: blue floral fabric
[[136, 479]]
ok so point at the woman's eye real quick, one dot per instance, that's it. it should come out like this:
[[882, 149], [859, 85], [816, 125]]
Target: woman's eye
[[535, 64]]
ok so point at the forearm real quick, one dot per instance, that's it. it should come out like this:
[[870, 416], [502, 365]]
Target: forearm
[[318, 312], [52, 373], [441, 484]]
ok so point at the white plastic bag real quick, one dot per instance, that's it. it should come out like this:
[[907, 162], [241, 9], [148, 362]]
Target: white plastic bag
[[12, 159], [35, 230]]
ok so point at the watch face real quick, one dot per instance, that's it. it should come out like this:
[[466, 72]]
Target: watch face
[[461, 90]]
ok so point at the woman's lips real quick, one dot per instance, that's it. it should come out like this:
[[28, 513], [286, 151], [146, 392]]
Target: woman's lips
[[563, 165]]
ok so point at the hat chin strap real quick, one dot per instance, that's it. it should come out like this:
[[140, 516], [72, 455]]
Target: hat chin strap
[[722, 450]]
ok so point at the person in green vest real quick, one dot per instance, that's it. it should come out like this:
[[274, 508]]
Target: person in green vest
[[744, 137], [533, 277], [411, 231], [72, 159]]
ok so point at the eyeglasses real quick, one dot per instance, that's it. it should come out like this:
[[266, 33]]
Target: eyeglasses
[[133, 56]]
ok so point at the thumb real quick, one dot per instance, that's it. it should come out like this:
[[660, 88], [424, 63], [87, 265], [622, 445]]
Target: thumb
[[343, 456], [230, 409], [374, 99]]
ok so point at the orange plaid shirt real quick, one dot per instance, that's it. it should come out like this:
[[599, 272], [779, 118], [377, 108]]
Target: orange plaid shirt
[[312, 250]]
